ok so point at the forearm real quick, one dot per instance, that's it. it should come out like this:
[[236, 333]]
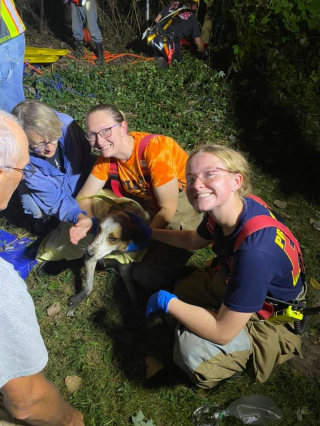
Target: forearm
[[157, 18], [196, 319], [44, 407], [162, 218], [199, 44], [86, 204], [180, 239]]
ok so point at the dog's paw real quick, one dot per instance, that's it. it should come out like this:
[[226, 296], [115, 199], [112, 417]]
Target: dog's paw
[[75, 300]]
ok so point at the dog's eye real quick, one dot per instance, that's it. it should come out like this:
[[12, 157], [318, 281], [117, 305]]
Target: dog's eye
[[112, 239]]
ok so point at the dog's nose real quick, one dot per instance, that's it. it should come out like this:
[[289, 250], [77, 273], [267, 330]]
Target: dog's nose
[[90, 253]]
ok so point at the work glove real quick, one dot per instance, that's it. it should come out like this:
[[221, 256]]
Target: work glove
[[147, 32], [159, 302], [203, 56], [145, 233]]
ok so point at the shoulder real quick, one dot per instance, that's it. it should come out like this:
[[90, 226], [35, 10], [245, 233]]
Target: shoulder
[[65, 119]]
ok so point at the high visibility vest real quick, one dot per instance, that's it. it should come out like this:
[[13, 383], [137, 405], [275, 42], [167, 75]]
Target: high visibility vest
[[11, 24]]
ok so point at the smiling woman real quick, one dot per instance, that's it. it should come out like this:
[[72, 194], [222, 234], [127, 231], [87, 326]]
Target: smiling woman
[[60, 158], [221, 311]]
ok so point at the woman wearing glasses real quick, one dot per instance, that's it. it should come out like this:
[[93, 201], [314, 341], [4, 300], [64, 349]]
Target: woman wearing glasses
[[59, 154], [149, 168], [220, 311]]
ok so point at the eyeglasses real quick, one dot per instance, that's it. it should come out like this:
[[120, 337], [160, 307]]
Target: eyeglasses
[[104, 133], [26, 173], [42, 145], [207, 176]]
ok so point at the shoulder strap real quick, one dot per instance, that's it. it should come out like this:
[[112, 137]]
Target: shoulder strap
[[260, 222]]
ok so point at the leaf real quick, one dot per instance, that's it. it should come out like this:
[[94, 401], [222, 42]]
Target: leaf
[[153, 366], [53, 309], [312, 220], [73, 383], [314, 284], [280, 204]]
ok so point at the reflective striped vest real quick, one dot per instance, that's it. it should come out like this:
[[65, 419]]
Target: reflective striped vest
[[11, 24]]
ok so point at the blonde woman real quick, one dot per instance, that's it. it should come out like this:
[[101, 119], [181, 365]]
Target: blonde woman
[[60, 155], [220, 310]]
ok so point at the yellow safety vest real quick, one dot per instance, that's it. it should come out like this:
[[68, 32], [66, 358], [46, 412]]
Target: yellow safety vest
[[11, 24]]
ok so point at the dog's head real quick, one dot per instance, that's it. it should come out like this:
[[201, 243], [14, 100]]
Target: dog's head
[[116, 231]]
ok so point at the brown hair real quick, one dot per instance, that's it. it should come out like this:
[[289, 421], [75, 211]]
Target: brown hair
[[117, 115]]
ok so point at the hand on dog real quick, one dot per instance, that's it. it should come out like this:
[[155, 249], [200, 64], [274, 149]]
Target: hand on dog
[[159, 302], [80, 229]]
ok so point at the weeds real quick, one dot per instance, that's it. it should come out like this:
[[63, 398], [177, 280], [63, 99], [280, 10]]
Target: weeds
[[103, 341]]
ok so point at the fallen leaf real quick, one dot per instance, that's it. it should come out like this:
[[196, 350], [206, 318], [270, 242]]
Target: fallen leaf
[[312, 220], [54, 309], [314, 284], [287, 216], [73, 383], [280, 204], [192, 102], [153, 366]]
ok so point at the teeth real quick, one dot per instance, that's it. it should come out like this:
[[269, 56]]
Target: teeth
[[204, 195]]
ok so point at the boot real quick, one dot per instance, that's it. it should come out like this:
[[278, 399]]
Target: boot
[[79, 50], [100, 56]]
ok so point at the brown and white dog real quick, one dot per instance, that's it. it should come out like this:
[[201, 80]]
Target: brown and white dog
[[115, 232]]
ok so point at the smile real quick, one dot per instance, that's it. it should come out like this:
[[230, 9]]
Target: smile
[[204, 195]]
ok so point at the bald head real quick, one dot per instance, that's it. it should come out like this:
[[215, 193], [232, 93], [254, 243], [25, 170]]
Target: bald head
[[13, 154], [13, 140]]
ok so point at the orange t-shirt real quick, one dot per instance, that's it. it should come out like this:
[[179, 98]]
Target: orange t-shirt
[[164, 158]]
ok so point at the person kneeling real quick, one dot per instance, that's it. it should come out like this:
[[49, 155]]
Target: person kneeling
[[221, 310]]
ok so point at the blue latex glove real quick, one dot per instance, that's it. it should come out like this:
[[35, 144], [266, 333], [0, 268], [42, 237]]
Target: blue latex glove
[[146, 232], [159, 302]]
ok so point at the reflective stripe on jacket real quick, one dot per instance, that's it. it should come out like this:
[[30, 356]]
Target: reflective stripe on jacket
[[11, 24]]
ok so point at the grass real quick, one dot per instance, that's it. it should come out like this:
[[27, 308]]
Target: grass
[[102, 341]]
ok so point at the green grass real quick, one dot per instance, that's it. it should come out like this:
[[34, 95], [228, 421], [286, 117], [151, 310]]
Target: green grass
[[104, 342]]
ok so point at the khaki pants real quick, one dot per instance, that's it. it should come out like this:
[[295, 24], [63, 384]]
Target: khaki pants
[[258, 347], [5, 417]]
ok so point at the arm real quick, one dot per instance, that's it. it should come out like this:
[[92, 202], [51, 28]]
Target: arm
[[199, 43], [157, 18], [167, 196], [219, 327], [189, 240], [51, 198], [84, 224], [36, 401]]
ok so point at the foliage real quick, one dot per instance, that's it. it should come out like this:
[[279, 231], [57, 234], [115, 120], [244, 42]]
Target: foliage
[[189, 102]]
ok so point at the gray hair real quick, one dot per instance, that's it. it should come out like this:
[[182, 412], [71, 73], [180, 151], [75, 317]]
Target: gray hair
[[10, 150], [38, 117]]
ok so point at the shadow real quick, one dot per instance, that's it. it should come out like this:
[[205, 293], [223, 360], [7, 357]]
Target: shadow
[[134, 338], [140, 46], [58, 16], [272, 134]]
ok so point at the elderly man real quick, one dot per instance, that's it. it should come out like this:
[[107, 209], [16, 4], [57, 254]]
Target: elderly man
[[26, 397]]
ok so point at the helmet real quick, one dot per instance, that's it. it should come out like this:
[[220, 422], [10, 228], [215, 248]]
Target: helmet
[[196, 1]]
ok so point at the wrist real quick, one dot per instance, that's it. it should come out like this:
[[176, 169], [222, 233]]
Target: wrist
[[171, 304]]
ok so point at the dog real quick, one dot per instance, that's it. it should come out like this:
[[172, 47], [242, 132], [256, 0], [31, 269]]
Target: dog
[[116, 231]]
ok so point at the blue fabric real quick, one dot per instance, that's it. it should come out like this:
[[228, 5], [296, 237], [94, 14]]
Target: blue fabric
[[260, 266], [18, 253], [145, 236], [95, 225], [88, 13], [11, 72], [54, 191], [159, 301]]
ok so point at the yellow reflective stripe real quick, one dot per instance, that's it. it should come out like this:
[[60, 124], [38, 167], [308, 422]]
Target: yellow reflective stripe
[[11, 19]]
